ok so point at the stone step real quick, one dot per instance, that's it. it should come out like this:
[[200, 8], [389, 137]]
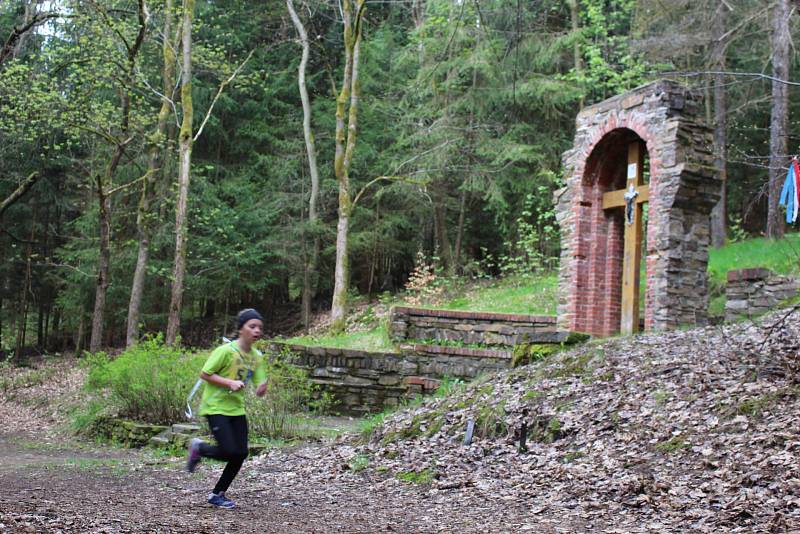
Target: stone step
[[186, 428], [161, 440]]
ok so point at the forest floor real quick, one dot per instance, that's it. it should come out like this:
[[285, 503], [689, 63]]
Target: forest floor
[[52, 483], [683, 431]]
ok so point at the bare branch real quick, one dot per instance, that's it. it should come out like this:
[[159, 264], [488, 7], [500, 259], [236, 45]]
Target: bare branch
[[19, 192], [729, 73], [219, 92], [385, 178], [18, 32]]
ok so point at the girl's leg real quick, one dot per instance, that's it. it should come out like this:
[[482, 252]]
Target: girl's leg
[[231, 435]]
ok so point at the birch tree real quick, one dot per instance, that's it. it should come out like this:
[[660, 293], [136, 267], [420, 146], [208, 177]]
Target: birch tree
[[156, 158], [346, 102], [310, 257], [184, 172]]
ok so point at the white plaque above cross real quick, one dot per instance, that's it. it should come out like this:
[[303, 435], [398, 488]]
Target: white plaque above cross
[[631, 199]]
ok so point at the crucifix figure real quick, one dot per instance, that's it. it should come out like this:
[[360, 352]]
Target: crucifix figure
[[631, 198]]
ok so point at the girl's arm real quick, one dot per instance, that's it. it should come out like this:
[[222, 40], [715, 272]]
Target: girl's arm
[[233, 385], [262, 389]]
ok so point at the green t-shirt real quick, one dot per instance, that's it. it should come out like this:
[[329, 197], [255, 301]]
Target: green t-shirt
[[230, 362]]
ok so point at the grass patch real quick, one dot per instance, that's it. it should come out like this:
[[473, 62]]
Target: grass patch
[[754, 407], [672, 445], [781, 256], [528, 295], [358, 463], [421, 425], [425, 476], [375, 340]]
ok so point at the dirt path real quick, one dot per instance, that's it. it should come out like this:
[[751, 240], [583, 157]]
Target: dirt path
[[69, 488]]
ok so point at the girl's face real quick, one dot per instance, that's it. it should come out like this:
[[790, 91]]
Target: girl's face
[[251, 330]]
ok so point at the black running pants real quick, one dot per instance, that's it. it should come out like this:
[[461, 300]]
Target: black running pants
[[230, 432]]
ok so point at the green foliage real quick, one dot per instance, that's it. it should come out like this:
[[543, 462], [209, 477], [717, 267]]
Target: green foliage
[[476, 100], [148, 382], [289, 395], [534, 250], [611, 64]]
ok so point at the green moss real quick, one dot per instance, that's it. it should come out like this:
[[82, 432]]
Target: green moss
[[672, 445], [490, 421], [545, 429], [660, 397], [358, 463], [526, 353], [574, 365], [572, 456], [425, 476]]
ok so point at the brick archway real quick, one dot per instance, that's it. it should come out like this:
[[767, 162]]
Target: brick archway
[[665, 116]]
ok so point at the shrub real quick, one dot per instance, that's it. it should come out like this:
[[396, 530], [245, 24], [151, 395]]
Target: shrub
[[148, 382], [290, 393]]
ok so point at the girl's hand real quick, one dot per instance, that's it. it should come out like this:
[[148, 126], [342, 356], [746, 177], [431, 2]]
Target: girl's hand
[[262, 389], [235, 385]]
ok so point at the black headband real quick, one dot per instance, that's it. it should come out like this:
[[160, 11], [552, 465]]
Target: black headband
[[247, 315]]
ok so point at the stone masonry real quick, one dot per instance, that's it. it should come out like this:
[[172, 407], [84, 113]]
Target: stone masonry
[[752, 292], [683, 190], [472, 327], [365, 382]]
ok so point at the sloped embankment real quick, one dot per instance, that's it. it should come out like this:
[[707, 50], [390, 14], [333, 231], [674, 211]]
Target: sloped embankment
[[691, 430]]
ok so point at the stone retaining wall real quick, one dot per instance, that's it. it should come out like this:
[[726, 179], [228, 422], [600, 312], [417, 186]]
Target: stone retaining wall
[[472, 327], [365, 382], [751, 292]]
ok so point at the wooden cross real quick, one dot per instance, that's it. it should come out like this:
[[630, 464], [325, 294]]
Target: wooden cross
[[631, 198]]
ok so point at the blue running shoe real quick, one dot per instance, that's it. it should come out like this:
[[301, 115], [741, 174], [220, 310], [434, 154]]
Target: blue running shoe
[[193, 457], [219, 499]]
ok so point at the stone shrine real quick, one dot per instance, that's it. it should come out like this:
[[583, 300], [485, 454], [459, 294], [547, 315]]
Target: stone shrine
[[600, 212]]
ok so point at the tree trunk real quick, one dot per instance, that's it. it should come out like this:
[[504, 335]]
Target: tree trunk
[[779, 120], [143, 216], [575, 18], [442, 237], [105, 181], [719, 215], [344, 157], [101, 289], [81, 328], [310, 266], [462, 213], [22, 326], [185, 147]]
